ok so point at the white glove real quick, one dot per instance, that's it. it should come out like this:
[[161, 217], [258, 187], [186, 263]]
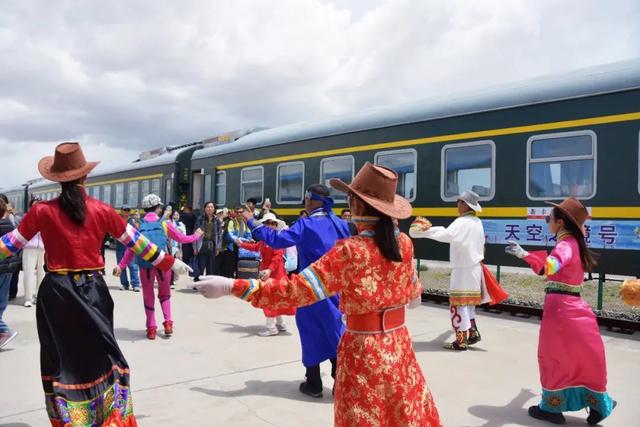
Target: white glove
[[415, 303], [214, 286], [180, 267], [515, 249]]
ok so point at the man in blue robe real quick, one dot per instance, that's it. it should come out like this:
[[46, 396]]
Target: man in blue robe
[[320, 324]]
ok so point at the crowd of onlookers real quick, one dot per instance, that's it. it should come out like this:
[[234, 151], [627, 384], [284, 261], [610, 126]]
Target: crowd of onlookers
[[225, 242]]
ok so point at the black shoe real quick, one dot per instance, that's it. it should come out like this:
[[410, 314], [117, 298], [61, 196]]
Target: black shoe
[[305, 389], [595, 417], [455, 346], [539, 414], [474, 336]]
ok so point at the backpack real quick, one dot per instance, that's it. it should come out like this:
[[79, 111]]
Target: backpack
[[156, 233]]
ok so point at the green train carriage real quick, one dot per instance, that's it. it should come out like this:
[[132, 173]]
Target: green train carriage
[[516, 146], [164, 171]]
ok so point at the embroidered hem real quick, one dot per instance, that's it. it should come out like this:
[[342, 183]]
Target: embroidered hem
[[575, 399], [457, 298], [113, 407]]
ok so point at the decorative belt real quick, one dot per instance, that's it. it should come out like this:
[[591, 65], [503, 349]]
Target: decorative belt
[[562, 289], [381, 322]]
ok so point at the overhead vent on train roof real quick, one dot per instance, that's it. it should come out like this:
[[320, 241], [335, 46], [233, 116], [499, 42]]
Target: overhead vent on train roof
[[231, 136], [146, 155]]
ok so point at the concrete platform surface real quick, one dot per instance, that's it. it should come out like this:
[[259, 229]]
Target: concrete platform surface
[[215, 371]]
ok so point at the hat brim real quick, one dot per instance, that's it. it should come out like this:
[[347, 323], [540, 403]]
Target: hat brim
[[569, 215], [45, 164], [400, 208], [475, 207]]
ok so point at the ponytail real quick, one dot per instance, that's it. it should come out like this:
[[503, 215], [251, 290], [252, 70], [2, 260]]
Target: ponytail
[[72, 201], [386, 239]]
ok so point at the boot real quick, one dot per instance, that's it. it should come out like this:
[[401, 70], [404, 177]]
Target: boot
[[313, 385], [151, 333], [460, 343], [168, 327], [474, 334], [552, 417]]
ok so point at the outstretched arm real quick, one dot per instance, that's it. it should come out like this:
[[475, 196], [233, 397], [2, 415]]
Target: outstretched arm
[[319, 281]]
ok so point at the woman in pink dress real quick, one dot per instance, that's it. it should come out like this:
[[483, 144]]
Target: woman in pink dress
[[571, 358]]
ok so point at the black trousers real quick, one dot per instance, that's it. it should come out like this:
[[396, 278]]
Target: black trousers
[[207, 263], [313, 376]]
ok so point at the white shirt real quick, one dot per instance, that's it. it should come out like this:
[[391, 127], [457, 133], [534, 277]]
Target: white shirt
[[466, 238]]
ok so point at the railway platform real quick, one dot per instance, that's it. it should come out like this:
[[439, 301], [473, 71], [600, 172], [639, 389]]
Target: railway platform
[[215, 371]]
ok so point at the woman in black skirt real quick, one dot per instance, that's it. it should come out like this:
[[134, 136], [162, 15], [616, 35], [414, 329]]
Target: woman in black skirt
[[84, 374]]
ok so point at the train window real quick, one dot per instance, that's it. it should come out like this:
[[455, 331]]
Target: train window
[[337, 167], [290, 180], [404, 162], [119, 195], [252, 183], [221, 188], [561, 165], [155, 187], [207, 187], [134, 194], [106, 194], [468, 166], [144, 188]]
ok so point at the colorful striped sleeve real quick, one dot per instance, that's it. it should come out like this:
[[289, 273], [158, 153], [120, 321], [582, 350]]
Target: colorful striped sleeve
[[141, 246], [11, 243], [552, 265], [317, 282]]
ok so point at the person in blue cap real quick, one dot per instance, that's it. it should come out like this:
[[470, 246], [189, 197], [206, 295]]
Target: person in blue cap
[[320, 324]]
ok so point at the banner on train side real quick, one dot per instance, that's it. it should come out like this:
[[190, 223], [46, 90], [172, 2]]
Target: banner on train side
[[623, 235]]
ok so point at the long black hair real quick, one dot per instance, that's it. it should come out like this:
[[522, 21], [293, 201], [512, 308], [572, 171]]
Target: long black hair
[[72, 201], [384, 234], [587, 258]]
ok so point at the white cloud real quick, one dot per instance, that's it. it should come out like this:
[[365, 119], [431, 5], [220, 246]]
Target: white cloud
[[123, 77]]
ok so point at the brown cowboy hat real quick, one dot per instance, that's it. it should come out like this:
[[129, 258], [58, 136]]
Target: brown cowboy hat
[[574, 210], [68, 163], [376, 185]]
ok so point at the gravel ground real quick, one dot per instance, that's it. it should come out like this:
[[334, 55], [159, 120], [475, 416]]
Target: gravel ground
[[528, 289]]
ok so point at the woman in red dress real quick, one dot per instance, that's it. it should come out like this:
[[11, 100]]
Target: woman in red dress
[[271, 267], [379, 381], [84, 374]]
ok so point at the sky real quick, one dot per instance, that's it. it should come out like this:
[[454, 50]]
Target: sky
[[123, 77]]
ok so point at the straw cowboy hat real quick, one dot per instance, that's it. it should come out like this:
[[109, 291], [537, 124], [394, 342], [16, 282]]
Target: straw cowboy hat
[[376, 185], [471, 199], [271, 217], [574, 210], [67, 164]]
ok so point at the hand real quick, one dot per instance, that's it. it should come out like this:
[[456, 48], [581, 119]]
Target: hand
[[117, 271], [214, 286], [421, 224], [515, 249], [180, 267], [265, 274], [198, 232]]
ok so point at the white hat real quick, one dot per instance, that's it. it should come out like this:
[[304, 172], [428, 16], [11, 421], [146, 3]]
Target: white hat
[[150, 201], [271, 217], [471, 199]]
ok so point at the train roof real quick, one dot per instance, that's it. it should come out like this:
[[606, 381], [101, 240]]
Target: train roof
[[166, 158], [12, 189], [43, 183], [608, 78]]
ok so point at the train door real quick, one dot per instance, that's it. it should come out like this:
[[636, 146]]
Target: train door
[[197, 190]]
